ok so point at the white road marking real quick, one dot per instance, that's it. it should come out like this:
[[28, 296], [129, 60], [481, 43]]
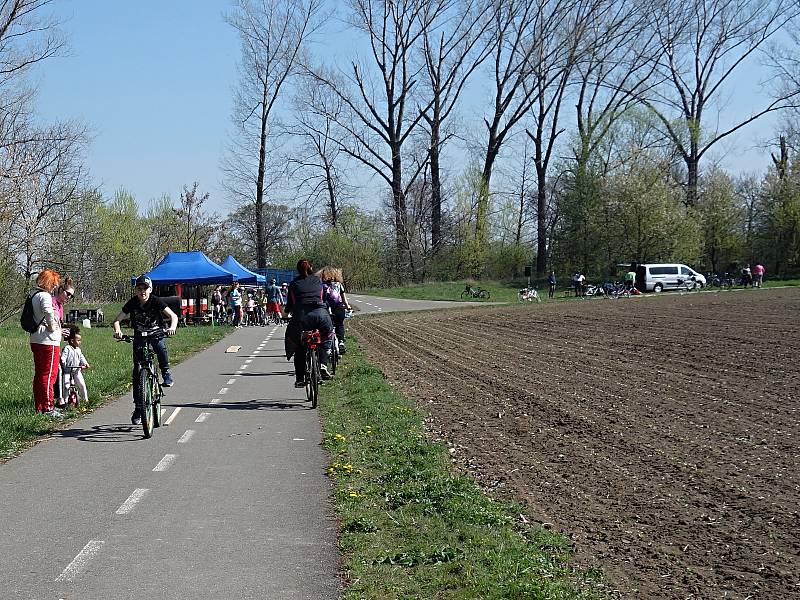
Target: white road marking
[[172, 416], [80, 562], [245, 367], [248, 361], [298, 439], [237, 372], [132, 501], [223, 391], [203, 416], [165, 462], [187, 435], [231, 382], [256, 351], [214, 400]]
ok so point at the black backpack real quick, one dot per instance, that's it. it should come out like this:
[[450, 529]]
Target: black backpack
[[26, 319]]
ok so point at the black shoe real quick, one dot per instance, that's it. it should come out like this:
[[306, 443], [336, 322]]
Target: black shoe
[[136, 417], [299, 383]]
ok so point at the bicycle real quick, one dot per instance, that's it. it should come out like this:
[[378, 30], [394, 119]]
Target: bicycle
[[147, 390], [334, 353], [72, 398], [528, 294], [688, 284], [311, 341], [619, 290], [471, 292]]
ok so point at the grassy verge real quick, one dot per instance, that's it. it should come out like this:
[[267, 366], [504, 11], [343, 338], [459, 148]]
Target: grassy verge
[[451, 290], [110, 375], [499, 291], [410, 526]]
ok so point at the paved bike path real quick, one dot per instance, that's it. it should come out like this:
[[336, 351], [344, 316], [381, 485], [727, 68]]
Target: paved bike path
[[228, 501]]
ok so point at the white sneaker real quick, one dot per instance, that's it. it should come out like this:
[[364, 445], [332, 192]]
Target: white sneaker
[[323, 370]]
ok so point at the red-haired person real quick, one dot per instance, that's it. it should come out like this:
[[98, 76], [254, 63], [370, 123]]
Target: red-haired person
[[308, 311], [46, 342]]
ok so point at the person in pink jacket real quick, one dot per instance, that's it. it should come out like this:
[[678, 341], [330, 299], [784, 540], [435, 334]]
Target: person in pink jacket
[[758, 275]]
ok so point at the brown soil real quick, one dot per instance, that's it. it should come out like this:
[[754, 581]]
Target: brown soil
[[659, 433]]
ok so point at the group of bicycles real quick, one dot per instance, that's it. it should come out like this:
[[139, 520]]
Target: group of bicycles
[[607, 289]]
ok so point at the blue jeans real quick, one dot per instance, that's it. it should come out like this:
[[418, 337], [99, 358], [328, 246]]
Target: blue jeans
[[159, 346]]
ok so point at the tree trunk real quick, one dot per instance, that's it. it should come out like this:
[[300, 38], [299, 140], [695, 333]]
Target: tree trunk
[[692, 167], [261, 255], [331, 194]]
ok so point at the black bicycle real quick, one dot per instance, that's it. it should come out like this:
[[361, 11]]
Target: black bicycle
[[147, 390], [311, 341], [471, 292]]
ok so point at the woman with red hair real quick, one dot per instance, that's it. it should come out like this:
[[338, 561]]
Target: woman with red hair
[[305, 304], [45, 342]]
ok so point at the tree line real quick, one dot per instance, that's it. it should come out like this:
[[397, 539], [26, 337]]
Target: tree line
[[450, 139]]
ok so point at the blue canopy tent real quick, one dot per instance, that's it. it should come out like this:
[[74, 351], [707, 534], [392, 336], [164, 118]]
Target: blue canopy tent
[[191, 268], [244, 274]]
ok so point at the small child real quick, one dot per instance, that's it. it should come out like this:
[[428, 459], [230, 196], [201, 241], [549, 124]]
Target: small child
[[251, 309], [73, 361]]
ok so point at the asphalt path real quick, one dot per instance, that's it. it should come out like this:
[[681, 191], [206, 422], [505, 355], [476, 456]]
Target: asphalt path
[[229, 500]]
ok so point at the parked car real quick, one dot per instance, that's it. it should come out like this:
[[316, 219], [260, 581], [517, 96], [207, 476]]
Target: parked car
[[666, 276]]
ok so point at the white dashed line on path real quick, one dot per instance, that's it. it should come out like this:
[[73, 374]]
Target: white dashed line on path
[[256, 351], [132, 501], [231, 382], [165, 463], [245, 367], [187, 435], [214, 400], [248, 361], [203, 416], [172, 416], [80, 562], [223, 391]]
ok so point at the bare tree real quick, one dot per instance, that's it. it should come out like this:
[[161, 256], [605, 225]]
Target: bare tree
[[381, 116], [197, 225], [273, 35], [41, 175], [703, 43], [316, 164], [454, 46]]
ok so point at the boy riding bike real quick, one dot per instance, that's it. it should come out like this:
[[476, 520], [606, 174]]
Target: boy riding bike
[[147, 313]]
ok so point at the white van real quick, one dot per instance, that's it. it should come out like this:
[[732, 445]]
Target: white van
[[666, 276]]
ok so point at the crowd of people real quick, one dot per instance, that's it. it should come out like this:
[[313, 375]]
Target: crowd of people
[[313, 300]]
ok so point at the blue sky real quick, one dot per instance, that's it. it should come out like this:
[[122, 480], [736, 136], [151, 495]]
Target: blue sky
[[153, 79]]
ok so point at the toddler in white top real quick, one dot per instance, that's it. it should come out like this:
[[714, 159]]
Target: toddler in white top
[[73, 362]]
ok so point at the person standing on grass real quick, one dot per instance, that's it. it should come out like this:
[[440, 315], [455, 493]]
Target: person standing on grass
[[551, 283], [64, 293], [758, 275], [45, 342]]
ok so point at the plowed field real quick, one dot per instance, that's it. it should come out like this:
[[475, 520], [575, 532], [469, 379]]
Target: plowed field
[[659, 433]]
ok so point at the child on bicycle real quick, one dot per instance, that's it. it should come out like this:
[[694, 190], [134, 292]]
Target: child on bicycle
[[73, 362], [335, 299], [147, 313]]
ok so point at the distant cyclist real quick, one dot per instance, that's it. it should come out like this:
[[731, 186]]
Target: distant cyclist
[[308, 312], [335, 299], [147, 313]]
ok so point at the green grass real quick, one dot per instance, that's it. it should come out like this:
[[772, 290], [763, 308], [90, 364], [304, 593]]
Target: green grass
[[451, 290], [413, 528], [499, 291], [110, 374]]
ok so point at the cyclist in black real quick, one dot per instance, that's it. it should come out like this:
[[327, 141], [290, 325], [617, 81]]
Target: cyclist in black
[[308, 311], [147, 314]]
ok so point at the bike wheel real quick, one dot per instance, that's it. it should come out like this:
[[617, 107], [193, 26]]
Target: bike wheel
[[145, 402], [309, 365], [334, 356], [315, 377], [465, 295], [157, 395], [72, 397], [484, 294]]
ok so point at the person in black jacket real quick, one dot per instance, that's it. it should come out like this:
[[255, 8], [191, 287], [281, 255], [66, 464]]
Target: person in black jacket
[[305, 304]]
